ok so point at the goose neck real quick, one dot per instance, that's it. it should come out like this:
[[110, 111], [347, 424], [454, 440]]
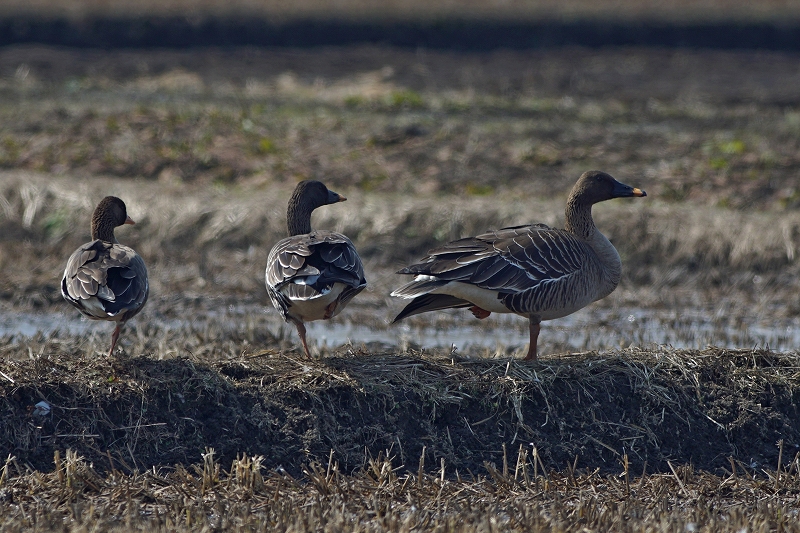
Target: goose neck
[[103, 229], [579, 220], [298, 219], [581, 224]]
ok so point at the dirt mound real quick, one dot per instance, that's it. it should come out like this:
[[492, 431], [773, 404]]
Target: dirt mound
[[691, 407]]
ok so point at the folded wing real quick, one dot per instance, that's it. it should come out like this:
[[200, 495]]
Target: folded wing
[[305, 267], [105, 281], [525, 265]]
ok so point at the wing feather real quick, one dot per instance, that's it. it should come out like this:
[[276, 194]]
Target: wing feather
[[512, 261], [306, 266], [106, 280]]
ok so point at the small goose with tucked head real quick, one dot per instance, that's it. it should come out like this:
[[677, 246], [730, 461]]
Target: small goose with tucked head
[[104, 279], [534, 271], [312, 274]]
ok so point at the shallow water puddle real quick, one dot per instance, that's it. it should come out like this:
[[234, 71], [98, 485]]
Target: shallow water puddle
[[588, 329]]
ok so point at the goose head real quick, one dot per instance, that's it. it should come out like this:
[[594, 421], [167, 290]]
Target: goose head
[[307, 196], [595, 186], [109, 214]]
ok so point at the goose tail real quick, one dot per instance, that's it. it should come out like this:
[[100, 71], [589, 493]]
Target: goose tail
[[430, 302]]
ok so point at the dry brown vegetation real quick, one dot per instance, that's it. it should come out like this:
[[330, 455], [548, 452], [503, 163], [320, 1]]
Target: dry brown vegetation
[[226, 391], [384, 442], [685, 123], [220, 236], [205, 146], [514, 496]]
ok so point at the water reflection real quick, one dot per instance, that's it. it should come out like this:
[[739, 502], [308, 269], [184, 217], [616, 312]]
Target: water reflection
[[589, 329]]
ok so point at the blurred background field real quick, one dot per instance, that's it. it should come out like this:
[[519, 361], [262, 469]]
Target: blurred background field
[[429, 144], [206, 144]]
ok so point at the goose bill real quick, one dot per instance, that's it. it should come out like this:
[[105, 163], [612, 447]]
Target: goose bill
[[625, 191]]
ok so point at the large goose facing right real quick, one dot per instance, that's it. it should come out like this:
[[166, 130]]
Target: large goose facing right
[[534, 271]]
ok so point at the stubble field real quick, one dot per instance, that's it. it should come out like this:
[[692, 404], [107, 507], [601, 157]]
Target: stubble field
[[629, 422]]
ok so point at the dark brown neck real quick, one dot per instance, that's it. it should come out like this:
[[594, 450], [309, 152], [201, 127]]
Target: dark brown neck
[[579, 219], [298, 218], [103, 229]]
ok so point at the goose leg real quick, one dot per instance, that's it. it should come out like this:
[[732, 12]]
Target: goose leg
[[479, 313], [301, 330], [534, 327], [114, 338]]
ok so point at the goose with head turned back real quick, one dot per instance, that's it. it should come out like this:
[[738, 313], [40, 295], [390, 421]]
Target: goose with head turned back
[[312, 275], [104, 279], [534, 271]]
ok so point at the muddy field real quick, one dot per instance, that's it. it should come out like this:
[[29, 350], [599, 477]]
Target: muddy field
[[205, 146]]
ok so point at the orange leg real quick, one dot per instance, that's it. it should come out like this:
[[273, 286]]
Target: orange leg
[[114, 338], [535, 328], [479, 313], [301, 330]]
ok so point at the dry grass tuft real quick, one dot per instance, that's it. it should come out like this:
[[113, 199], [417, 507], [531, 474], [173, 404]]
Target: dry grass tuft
[[215, 243], [381, 497]]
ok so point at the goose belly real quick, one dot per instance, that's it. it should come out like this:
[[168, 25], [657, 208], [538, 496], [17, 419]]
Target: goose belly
[[484, 298], [563, 310], [93, 309], [315, 308], [548, 302], [488, 299]]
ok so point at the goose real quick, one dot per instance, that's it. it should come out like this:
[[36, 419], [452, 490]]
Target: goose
[[104, 279], [312, 275], [534, 271]]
